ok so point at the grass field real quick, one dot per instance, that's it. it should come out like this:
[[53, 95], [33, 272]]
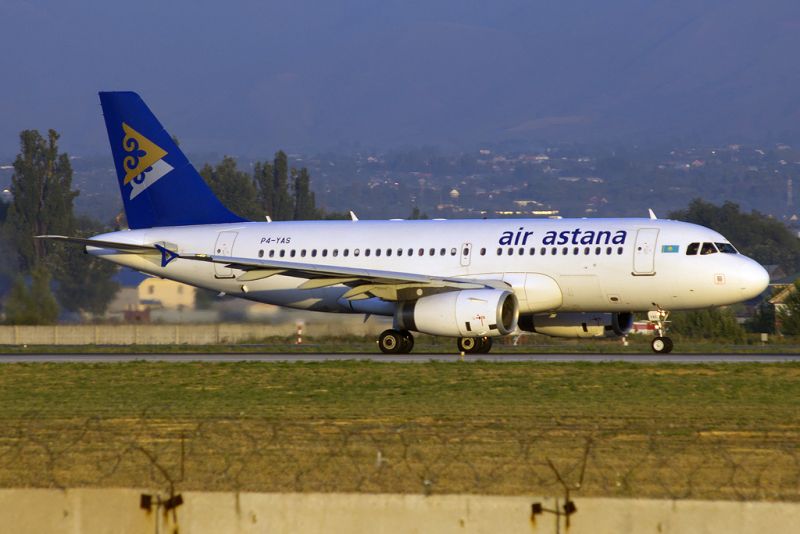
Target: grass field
[[727, 431]]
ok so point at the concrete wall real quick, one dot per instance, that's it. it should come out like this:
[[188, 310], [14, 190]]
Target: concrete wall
[[192, 334], [90, 511]]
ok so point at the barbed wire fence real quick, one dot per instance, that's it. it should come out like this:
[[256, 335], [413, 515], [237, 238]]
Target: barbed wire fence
[[427, 457]]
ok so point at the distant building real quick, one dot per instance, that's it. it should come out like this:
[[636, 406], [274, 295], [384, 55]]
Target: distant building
[[157, 293]]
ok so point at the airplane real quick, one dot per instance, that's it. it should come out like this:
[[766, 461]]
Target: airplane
[[473, 279]]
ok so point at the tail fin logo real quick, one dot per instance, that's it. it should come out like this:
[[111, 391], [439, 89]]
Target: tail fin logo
[[144, 163]]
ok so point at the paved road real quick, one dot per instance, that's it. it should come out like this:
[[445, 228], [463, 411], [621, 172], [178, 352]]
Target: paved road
[[407, 358]]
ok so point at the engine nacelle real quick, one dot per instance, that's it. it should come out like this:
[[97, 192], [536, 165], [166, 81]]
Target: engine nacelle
[[465, 313], [579, 324]]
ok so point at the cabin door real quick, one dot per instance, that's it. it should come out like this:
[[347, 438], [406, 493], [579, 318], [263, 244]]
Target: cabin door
[[224, 247], [644, 253]]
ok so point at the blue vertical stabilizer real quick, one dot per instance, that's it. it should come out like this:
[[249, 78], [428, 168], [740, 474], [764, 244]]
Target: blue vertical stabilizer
[[158, 184]]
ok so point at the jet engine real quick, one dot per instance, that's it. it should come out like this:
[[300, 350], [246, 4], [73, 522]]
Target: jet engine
[[579, 324], [465, 313]]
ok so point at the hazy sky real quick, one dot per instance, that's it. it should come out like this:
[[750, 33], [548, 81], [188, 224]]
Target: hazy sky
[[248, 77]]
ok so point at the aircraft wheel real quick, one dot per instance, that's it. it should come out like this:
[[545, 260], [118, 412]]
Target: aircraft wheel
[[391, 342], [485, 345], [408, 342], [469, 345], [661, 345]]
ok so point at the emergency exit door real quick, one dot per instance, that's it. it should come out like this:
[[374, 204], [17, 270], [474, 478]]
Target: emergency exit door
[[466, 254]]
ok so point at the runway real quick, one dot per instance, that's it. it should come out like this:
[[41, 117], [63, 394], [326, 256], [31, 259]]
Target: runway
[[401, 358]]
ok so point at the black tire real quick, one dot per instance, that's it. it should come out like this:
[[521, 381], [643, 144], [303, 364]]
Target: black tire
[[391, 342], [486, 345], [661, 345], [408, 342], [469, 345]]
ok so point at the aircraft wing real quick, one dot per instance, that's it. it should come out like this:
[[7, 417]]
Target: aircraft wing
[[363, 283]]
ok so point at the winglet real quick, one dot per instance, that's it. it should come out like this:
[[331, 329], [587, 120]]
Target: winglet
[[652, 214], [167, 255], [353, 216]]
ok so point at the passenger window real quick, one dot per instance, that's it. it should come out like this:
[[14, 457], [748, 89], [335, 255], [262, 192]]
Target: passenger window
[[483, 252], [314, 253], [388, 252], [422, 252], [691, 250], [366, 252], [411, 252], [292, 253], [586, 251], [303, 253], [521, 251], [466, 251], [399, 251], [346, 252], [726, 248], [565, 251], [619, 251], [543, 251], [260, 253], [597, 251], [283, 253], [324, 252], [708, 248], [575, 251], [554, 251], [510, 251], [442, 252], [532, 251], [271, 253], [453, 251], [432, 252], [608, 250], [356, 252], [335, 252], [499, 251], [377, 252]]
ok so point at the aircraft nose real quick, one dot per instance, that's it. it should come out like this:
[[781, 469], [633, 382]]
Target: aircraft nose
[[754, 278]]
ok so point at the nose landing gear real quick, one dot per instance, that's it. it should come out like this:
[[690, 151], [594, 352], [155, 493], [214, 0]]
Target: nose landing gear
[[661, 344]]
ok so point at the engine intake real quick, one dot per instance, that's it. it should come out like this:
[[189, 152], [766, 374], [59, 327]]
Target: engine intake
[[466, 313], [579, 324]]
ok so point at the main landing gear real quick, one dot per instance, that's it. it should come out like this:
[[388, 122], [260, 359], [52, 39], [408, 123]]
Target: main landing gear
[[474, 345], [401, 342], [661, 344], [396, 342]]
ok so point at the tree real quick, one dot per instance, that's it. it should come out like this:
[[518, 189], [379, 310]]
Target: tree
[[282, 205], [417, 214], [764, 239], [714, 323], [234, 188], [789, 314], [304, 202], [85, 283], [42, 196], [264, 178], [34, 305]]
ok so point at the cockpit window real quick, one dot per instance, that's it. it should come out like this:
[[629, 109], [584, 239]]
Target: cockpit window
[[691, 250], [708, 248], [726, 248]]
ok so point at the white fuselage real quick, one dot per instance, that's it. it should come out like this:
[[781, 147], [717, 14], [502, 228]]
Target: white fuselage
[[612, 265]]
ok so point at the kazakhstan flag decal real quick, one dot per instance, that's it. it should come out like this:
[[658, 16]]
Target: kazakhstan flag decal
[[144, 164], [670, 248]]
